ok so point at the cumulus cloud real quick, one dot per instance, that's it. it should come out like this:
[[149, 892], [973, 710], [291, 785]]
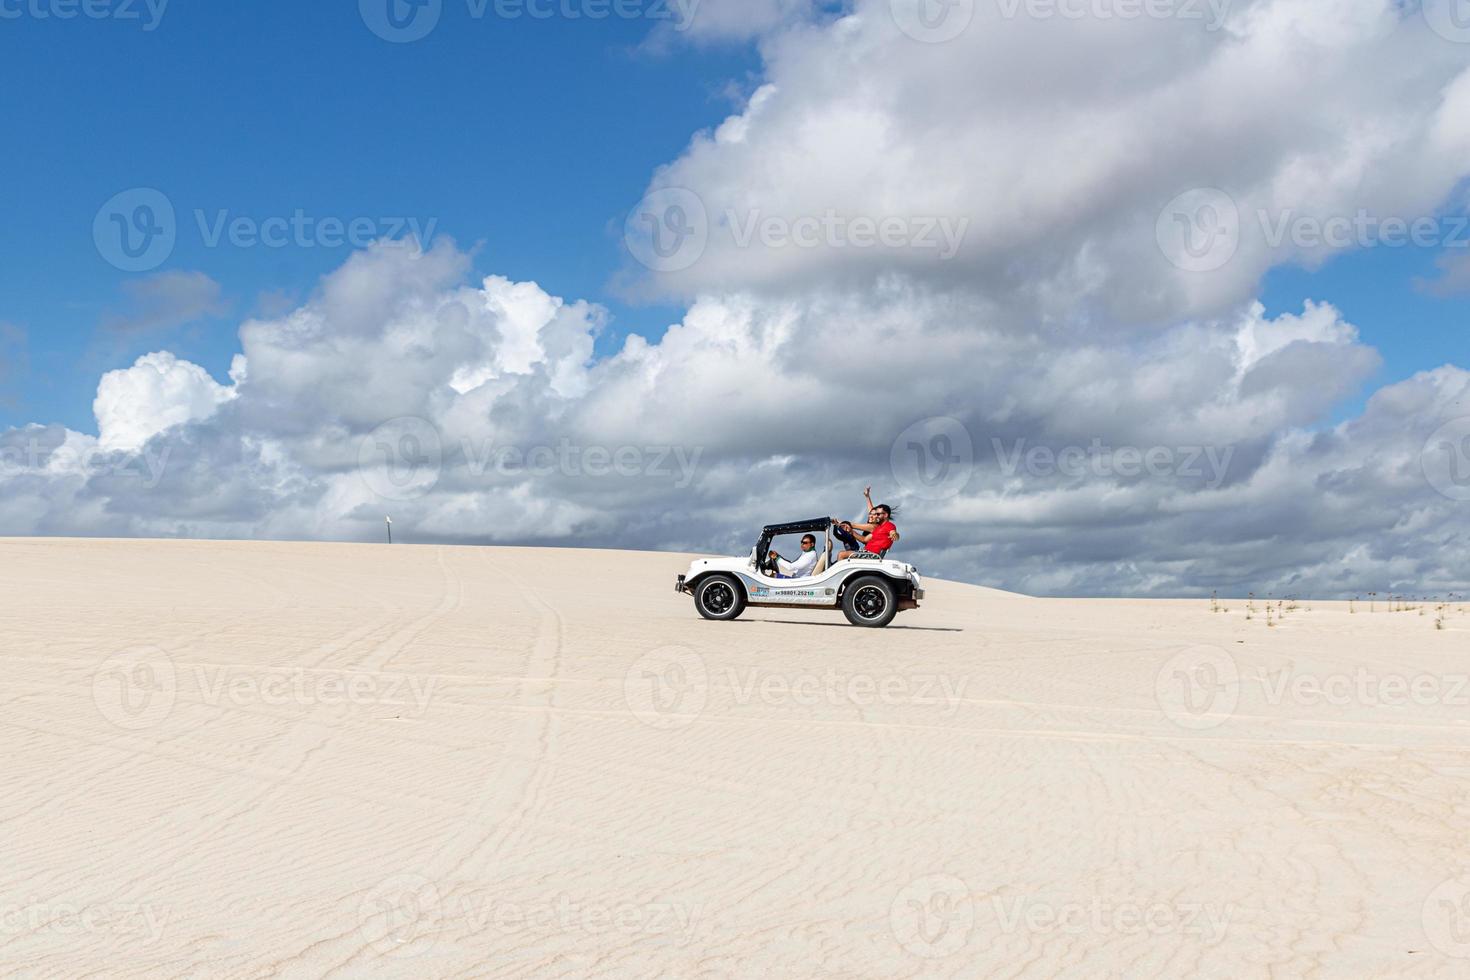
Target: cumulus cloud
[[158, 392], [1057, 406], [1057, 145]]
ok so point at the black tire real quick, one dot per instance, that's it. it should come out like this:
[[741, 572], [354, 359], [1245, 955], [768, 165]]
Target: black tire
[[870, 601], [719, 597]]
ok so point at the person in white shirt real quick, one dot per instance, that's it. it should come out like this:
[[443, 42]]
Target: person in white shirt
[[803, 566]]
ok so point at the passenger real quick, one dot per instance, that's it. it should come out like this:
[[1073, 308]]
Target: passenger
[[874, 537], [804, 565]]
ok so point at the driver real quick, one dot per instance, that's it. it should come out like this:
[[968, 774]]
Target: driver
[[804, 564]]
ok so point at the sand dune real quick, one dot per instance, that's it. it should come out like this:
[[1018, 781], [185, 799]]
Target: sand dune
[[307, 760]]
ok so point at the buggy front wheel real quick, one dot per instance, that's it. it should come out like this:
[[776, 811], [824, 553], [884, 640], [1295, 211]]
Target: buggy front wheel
[[719, 597]]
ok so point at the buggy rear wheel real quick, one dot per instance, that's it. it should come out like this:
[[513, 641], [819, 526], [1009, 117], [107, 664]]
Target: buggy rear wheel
[[870, 601]]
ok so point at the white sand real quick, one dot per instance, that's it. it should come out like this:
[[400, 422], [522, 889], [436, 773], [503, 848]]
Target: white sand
[[323, 760]]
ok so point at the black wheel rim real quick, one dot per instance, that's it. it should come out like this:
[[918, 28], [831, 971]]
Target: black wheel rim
[[718, 598], [870, 602]]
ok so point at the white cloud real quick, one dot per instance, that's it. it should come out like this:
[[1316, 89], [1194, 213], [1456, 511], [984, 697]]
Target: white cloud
[[158, 392], [1061, 140]]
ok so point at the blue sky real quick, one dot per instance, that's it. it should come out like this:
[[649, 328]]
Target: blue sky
[[527, 137], [1094, 164], [530, 138]]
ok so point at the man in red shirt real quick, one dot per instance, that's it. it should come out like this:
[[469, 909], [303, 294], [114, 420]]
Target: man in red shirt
[[874, 537]]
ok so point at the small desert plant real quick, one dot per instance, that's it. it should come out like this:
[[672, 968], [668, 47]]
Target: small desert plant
[[1215, 601]]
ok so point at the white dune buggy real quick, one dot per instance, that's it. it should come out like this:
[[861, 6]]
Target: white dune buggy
[[869, 589]]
